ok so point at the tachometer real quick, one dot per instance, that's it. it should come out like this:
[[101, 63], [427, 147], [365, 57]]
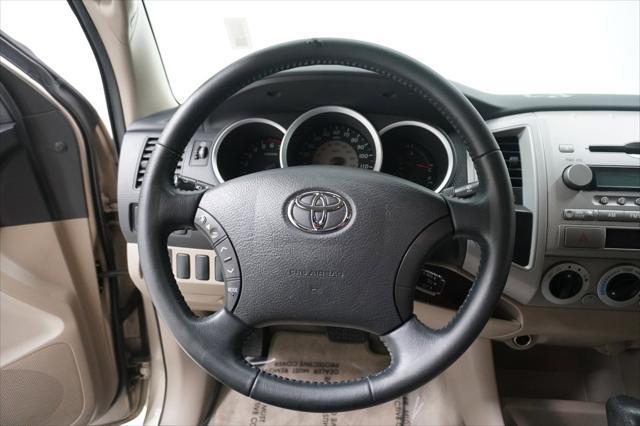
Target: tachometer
[[260, 154], [332, 136], [247, 146]]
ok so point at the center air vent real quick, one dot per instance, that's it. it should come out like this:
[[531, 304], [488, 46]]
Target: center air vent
[[148, 149], [510, 147]]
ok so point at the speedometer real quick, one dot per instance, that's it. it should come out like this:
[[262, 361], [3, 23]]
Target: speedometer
[[332, 136], [337, 145]]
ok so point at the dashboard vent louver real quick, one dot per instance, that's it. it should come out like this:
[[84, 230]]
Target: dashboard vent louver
[[179, 166], [149, 147], [510, 147]]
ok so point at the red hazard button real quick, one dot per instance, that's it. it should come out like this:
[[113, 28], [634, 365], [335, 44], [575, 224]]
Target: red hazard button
[[583, 237]]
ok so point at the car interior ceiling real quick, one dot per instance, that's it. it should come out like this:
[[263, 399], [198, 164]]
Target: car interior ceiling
[[325, 232]]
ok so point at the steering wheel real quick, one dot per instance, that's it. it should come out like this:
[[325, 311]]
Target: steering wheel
[[326, 245]]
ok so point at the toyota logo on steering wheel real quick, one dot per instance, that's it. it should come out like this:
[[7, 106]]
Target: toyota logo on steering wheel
[[319, 211]]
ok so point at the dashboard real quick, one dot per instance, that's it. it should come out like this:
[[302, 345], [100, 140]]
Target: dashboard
[[334, 135], [572, 162]]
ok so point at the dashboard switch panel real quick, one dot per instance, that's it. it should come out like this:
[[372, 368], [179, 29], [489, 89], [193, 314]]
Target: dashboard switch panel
[[202, 267], [183, 266]]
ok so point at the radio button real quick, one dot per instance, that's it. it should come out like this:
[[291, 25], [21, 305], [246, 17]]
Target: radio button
[[227, 256], [622, 201], [632, 216], [604, 200], [587, 215], [583, 237], [611, 215], [578, 214], [637, 201]]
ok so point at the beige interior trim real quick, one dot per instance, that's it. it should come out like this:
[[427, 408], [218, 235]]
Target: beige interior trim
[[183, 387], [568, 327], [437, 317], [50, 267], [189, 388], [157, 382], [558, 326], [128, 39], [533, 412], [564, 326], [199, 295], [80, 264], [472, 380]]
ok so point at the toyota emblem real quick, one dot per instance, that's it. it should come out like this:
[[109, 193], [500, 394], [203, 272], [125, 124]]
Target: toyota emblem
[[319, 211]]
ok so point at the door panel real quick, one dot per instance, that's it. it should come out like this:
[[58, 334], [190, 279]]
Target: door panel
[[56, 358], [58, 364]]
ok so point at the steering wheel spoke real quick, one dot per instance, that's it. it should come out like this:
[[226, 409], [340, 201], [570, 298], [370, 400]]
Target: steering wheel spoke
[[219, 339], [180, 208], [469, 217]]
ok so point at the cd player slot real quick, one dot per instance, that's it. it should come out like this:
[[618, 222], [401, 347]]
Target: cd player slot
[[630, 148]]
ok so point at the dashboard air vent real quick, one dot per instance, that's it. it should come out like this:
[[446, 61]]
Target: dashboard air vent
[[148, 149], [510, 147], [179, 166]]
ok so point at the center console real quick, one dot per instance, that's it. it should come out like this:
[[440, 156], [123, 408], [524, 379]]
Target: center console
[[583, 188]]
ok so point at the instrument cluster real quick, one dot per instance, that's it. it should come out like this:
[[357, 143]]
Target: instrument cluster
[[335, 135]]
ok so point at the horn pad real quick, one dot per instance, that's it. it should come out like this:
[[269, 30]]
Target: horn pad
[[321, 244]]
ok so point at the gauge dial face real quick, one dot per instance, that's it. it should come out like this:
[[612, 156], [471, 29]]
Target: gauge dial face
[[417, 152], [260, 154], [338, 145], [412, 161], [247, 146]]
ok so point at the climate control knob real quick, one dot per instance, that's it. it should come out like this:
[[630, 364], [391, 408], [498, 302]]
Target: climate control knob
[[577, 176], [565, 283], [620, 286]]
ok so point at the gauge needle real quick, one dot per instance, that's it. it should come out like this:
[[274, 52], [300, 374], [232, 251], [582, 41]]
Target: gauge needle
[[423, 165]]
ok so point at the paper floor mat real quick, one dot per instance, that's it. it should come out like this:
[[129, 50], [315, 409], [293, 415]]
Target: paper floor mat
[[312, 357]]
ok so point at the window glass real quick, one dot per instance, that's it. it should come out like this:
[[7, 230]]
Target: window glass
[[52, 32], [535, 47]]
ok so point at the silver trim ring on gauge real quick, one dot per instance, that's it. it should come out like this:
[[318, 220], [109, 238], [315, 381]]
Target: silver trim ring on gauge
[[561, 267], [444, 140], [603, 283], [223, 134], [375, 138]]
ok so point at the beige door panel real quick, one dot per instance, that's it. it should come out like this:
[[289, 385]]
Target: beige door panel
[[57, 364]]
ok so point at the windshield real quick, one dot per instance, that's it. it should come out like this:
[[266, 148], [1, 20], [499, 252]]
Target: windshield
[[497, 47]]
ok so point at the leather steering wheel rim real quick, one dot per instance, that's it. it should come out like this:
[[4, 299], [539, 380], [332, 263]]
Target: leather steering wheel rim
[[405, 222]]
